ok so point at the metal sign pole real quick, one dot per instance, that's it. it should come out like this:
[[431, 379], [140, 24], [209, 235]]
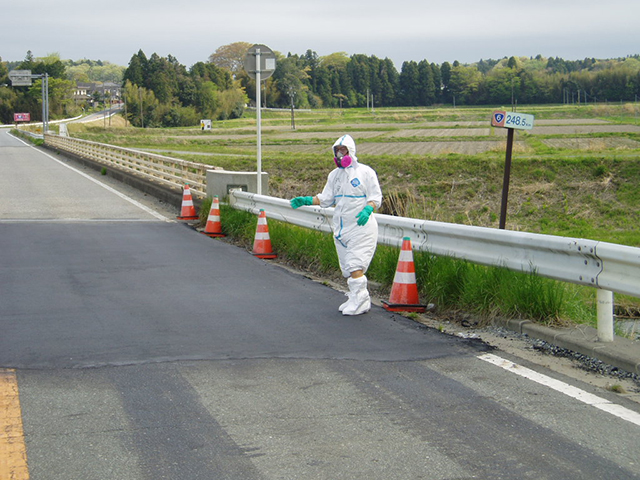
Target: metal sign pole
[[46, 94], [258, 121], [507, 176], [44, 105], [23, 78], [255, 57], [511, 121]]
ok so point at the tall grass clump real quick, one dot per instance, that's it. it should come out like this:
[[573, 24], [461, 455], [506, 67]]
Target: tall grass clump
[[237, 224], [310, 250]]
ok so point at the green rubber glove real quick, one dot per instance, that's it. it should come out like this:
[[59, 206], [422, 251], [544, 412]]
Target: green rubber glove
[[301, 201], [363, 216]]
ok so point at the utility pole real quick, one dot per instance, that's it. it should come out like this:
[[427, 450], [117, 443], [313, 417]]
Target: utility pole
[[141, 107], [292, 94]]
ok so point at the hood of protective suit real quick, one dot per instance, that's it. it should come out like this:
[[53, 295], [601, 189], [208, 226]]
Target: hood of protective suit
[[348, 142]]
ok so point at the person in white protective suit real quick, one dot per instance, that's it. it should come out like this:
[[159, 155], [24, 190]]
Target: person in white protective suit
[[354, 190]]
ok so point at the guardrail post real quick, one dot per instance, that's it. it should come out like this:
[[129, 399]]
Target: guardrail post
[[605, 315]]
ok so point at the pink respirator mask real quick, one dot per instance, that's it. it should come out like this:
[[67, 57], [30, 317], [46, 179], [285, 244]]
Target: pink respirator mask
[[342, 161]]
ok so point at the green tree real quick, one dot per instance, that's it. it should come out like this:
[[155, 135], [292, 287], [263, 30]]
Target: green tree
[[437, 81], [499, 84], [208, 99], [360, 73], [291, 79], [209, 72], [137, 70], [141, 105], [464, 84], [427, 88], [232, 102], [388, 83], [445, 78], [4, 72], [409, 84]]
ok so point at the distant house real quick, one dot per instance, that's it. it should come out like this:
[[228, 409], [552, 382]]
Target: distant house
[[83, 91], [90, 92]]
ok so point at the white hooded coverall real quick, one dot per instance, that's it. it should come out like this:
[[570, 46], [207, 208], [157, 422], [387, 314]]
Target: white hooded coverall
[[349, 189]]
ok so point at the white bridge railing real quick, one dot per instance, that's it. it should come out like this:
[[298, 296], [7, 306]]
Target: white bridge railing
[[171, 172], [605, 266]]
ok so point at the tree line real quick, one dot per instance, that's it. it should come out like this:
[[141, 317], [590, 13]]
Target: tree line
[[159, 91], [360, 80]]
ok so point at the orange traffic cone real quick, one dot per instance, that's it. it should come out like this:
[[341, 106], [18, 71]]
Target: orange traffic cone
[[262, 242], [404, 292], [188, 211], [213, 228]]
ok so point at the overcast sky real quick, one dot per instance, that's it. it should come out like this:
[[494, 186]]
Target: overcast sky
[[446, 30]]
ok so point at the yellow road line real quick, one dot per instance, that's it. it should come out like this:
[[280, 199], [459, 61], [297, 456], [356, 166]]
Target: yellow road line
[[13, 451]]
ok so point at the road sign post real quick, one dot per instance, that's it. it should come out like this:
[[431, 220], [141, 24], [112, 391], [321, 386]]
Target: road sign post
[[511, 121], [23, 78], [260, 63], [20, 78]]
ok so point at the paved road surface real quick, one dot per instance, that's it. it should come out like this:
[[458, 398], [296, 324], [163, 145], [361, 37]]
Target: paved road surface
[[144, 350]]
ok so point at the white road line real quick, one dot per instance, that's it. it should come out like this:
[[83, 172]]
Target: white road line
[[574, 392], [106, 187]]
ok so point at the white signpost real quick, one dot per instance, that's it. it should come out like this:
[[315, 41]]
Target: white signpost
[[511, 121], [260, 63]]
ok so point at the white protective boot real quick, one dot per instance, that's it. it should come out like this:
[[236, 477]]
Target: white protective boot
[[348, 295], [359, 300]]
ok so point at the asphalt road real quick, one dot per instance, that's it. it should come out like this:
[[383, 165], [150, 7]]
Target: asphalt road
[[145, 350]]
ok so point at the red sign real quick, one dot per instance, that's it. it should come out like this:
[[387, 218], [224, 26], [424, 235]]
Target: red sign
[[498, 118], [21, 117]]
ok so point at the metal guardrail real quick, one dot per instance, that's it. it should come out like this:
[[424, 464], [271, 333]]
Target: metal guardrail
[[172, 172], [606, 266], [580, 261]]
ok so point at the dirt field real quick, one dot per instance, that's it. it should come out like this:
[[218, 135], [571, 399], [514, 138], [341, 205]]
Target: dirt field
[[425, 138], [594, 144], [405, 148], [371, 137]]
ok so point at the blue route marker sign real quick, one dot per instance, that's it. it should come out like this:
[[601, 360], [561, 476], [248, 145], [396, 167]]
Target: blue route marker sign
[[519, 121]]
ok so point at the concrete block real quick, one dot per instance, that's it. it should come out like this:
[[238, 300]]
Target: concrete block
[[221, 182]]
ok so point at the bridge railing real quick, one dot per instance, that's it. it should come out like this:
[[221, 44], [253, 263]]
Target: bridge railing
[[169, 171], [605, 266]]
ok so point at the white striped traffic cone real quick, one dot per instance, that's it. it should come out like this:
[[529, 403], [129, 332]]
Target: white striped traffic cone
[[404, 292], [213, 228], [262, 242], [187, 211]]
